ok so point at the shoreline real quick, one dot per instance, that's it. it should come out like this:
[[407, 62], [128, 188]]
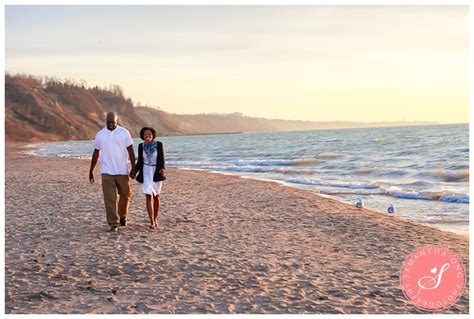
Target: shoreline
[[225, 245], [283, 184], [16, 148]]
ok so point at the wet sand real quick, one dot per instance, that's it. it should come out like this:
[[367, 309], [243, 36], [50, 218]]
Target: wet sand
[[225, 245]]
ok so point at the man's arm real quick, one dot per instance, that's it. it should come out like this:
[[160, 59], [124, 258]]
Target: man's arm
[[131, 155], [95, 157]]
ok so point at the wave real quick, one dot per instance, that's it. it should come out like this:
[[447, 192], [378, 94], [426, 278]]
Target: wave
[[443, 196], [274, 162], [243, 169], [367, 171], [417, 184], [362, 188], [391, 173], [340, 184], [360, 192], [447, 175], [410, 194], [404, 193], [306, 161], [83, 157], [380, 172], [459, 167], [268, 162], [40, 153], [452, 198], [332, 155]]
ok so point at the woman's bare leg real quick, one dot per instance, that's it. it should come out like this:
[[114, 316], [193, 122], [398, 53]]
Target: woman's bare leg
[[149, 208], [156, 209]]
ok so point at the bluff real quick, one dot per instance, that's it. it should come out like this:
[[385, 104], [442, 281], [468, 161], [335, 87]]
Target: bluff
[[46, 109], [51, 110]]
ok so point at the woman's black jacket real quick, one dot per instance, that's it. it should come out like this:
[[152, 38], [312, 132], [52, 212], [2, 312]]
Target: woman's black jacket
[[160, 163]]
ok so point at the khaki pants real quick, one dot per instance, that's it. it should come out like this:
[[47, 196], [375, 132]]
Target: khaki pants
[[110, 185]]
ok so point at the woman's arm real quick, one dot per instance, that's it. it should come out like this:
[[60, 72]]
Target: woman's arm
[[161, 155]]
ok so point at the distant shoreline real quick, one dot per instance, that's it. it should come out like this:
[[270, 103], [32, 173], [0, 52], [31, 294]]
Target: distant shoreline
[[416, 124]]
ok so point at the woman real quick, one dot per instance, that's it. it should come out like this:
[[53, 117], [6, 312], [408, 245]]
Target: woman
[[150, 168]]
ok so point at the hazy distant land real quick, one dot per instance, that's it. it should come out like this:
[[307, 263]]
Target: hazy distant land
[[47, 109]]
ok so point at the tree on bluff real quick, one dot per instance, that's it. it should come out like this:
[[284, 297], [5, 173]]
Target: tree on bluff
[[116, 90]]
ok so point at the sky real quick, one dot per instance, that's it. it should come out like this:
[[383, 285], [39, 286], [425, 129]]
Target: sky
[[364, 63]]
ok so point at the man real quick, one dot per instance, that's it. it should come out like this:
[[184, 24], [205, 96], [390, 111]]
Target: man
[[114, 144]]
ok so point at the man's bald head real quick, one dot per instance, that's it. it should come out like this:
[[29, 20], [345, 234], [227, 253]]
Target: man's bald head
[[111, 121]]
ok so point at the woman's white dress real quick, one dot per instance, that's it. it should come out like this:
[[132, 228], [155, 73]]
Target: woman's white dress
[[149, 167]]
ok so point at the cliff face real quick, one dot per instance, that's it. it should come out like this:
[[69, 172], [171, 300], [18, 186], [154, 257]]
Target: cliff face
[[58, 111]]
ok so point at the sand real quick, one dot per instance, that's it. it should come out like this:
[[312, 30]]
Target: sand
[[225, 245]]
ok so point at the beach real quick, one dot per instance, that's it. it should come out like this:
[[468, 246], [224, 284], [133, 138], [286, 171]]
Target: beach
[[225, 245]]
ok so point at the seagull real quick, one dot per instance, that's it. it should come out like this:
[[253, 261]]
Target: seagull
[[359, 203], [391, 209]]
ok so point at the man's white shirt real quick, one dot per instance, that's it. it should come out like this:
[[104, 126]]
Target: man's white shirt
[[113, 158]]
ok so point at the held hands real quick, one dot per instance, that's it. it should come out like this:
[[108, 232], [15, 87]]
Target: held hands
[[133, 174]]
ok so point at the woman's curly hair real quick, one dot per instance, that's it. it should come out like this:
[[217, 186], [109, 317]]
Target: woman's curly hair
[[151, 129]]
